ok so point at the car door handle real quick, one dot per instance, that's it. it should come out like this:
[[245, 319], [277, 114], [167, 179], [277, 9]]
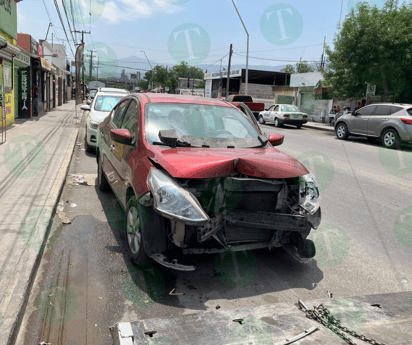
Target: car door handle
[[385, 119], [111, 147]]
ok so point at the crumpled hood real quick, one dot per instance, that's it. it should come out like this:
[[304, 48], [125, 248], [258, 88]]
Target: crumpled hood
[[186, 162]]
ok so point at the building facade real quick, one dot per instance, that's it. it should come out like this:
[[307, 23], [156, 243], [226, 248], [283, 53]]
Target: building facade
[[8, 52]]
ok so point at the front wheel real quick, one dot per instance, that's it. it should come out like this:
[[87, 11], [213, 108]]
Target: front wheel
[[261, 121], [390, 139], [342, 131], [134, 235]]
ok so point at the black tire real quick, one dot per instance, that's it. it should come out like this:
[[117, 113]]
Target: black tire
[[87, 147], [390, 139], [298, 126], [341, 131], [261, 121], [134, 235], [277, 124], [101, 177]]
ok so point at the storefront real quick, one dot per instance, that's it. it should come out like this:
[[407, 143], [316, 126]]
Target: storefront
[[8, 51], [22, 82]]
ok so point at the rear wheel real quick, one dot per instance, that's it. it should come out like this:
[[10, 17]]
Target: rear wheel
[[134, 235], [342, 131], [277, 124], [101, 177], [261, 121], [390, 139], [298, 126]]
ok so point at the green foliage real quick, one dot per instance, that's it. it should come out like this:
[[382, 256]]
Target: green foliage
[[201, 85], [185, 71], [288, 69], [144, 85], [304, 67], [164, 77], [373, 46]]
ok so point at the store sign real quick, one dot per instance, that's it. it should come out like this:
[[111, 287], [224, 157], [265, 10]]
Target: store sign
[[24, 95], [223, 74], [8, 17], [46, 64], [208, 88], [40, 51], [23, 58], [34, 47]]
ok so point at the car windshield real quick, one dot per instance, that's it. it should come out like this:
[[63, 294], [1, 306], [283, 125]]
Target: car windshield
[[290, 108], [205, 122], [106, 103]]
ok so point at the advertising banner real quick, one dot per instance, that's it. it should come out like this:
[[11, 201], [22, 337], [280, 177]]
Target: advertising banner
[[7, 77], [24, 94], [8, 17]]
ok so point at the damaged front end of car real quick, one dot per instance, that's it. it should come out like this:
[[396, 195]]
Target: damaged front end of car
[[236, 212]]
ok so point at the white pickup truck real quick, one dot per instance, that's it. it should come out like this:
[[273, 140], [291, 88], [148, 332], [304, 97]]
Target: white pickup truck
[[281, 114]]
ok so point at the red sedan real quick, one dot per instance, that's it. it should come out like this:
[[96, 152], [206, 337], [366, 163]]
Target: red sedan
[[197, 175]]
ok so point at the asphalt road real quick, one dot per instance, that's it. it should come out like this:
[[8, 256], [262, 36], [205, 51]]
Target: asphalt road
[[86, 282]]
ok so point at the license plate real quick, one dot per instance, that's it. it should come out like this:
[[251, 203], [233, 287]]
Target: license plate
[[296, 117]]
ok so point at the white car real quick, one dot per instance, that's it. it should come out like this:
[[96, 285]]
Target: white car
[[102, 105], [281, 114], [113, 90]]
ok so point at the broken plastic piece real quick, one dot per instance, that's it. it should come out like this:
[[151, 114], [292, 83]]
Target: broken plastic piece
[[298, 337]]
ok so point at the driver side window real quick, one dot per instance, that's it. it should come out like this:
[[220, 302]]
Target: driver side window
[[117, 117], [276, 108]]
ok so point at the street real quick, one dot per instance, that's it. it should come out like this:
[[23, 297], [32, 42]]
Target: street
[[86, 282]]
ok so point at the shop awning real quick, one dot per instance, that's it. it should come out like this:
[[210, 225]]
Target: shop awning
[[7, 48]]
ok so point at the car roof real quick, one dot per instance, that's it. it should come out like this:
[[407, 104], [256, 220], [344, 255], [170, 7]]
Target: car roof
[[112, 89], [394, 104], [168, 98], [114, 94]]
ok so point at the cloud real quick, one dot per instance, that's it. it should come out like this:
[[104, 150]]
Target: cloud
[[129, 10]]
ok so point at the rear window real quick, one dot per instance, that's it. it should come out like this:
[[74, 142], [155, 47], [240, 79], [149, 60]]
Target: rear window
[[409, 111], [243, 99], [106, 103], [383, 110], [395, 109]]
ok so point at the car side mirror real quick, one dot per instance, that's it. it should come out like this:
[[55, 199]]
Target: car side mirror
[[354, 113], [276, 139], [121, 136], [85, 107]]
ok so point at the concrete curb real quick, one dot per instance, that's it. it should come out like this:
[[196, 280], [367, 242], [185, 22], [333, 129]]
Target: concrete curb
[[322, 128], [50, 205]]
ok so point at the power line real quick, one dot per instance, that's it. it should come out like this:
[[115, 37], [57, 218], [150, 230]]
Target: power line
[[215, 62], [68, 21], [282, 60], [61, 20]]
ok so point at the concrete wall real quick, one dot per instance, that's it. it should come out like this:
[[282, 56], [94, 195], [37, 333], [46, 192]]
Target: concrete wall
[[258, 91]]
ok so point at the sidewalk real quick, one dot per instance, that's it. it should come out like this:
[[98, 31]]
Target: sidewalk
[[320, 126], [33, 167]]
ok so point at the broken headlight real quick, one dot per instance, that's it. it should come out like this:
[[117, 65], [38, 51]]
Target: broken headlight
[[308, 194], [174, 202]]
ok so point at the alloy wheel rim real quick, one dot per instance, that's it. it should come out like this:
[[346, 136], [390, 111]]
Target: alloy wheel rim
[[134, 236], [389, 139], [341, 131]]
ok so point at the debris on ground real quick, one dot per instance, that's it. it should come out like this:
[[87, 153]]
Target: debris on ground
[[82, 179], [330, 294], [171, 293], [73, 205], [218, 307], [60, 206], [63, 217]]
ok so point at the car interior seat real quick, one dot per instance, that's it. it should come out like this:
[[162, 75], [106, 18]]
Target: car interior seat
[[193, 122]]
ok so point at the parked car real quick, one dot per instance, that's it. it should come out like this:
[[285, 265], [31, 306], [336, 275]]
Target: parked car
[[195, 175], [389, 122], [281, 114], [254, 107], [112, 90], [101, 106]]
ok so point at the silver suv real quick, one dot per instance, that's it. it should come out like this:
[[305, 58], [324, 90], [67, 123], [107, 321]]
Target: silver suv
[[389, 122]]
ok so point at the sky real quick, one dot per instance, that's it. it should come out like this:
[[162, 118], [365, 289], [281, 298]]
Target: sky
[[199, 32]]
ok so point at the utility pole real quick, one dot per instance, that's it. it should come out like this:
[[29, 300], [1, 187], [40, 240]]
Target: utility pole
[[228, 71], [91, 64], [149, 65], [98, 61], [83, 32], [322, 64]]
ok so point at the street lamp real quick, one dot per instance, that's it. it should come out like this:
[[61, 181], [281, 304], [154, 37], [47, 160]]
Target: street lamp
[[149, 64], [247, 52]]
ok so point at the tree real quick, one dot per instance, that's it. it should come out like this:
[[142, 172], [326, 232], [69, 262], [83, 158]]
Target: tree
[[373, 46], [185, 71], [304, 67], [288, 69]]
